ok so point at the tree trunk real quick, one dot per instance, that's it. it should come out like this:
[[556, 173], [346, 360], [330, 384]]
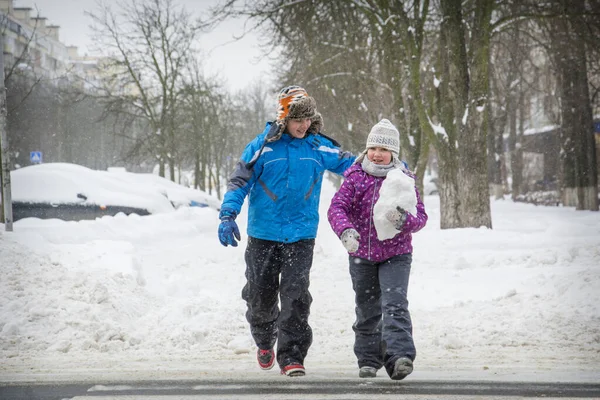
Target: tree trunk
[[579, 167], [497, 159], [473, 181], [464, 117], [448, 189], [197, 171], [450, 97], [514, 148], [214, 180], [1, 173], [520, 132], [422, 162], [172, 169], [161, 167], [495, 156]]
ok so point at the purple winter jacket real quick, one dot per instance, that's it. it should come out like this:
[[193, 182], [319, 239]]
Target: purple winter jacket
[[352, 207]]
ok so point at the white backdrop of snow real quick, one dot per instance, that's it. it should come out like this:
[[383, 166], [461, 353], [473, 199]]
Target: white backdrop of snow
[[159, 296]]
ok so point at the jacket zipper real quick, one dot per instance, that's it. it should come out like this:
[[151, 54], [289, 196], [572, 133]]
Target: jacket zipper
[[371, 217]]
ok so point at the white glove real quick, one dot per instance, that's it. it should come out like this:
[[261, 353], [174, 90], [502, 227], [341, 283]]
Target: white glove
[[350, 239], [397, 217]]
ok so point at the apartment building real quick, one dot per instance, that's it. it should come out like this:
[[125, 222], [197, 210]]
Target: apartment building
[[35, 45]]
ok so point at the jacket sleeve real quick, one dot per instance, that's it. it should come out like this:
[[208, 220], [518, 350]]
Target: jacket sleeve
[[336, 160], [339, 209], [243, 177], [415, 223]]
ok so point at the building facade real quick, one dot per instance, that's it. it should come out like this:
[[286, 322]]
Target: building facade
[[32, 45]]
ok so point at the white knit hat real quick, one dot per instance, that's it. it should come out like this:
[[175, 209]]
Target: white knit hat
[[384, 134]]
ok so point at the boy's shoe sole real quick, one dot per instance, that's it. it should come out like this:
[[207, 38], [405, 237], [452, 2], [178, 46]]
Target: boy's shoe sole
[[265, 358], [293, 370], [402, 368], [367, 372]]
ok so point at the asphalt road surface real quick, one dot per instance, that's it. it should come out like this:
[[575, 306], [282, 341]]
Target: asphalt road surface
[[301, 388]]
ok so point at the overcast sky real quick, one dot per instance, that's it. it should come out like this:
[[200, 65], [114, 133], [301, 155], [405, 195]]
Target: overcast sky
[[236, 62]]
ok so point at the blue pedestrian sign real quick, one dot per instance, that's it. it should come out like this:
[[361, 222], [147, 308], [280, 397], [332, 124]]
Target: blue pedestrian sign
[[35, 157]]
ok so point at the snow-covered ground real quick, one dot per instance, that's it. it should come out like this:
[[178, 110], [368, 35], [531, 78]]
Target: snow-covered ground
[[158, 296]]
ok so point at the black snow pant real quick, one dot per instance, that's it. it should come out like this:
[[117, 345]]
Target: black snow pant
[[383, 327], [279, 269]]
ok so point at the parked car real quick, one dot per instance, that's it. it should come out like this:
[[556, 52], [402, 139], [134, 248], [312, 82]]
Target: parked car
[[74, 192]]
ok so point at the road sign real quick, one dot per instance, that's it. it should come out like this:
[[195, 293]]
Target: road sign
[[35, 157]]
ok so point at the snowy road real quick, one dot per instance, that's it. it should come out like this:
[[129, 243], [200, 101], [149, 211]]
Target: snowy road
[[302, 388]]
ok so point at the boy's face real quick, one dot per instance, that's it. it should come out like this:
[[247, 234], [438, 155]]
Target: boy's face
[[379, 155], [298, 127]]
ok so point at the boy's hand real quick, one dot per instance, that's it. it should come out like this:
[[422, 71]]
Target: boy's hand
[[397, 217], [350, 239], [228, 232], [228, 229]]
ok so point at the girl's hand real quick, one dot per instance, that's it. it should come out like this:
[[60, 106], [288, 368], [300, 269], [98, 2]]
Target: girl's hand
[[397, 217], [350, 239]]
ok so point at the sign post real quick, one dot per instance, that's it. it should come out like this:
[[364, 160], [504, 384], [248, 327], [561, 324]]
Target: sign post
[[5, 167]]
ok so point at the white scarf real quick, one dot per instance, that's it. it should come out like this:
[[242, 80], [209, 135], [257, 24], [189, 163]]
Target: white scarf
[[376, 169]]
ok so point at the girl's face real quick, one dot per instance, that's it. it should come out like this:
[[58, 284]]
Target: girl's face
[[379, 155], [298, 127]]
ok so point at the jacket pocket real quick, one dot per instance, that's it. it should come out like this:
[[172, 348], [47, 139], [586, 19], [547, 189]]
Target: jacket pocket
[[312, 186], [267, 191]]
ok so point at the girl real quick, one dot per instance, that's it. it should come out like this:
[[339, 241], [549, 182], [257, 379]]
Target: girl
[[379, 269]]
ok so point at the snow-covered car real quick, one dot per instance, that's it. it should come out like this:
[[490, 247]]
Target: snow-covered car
[[74, 192]]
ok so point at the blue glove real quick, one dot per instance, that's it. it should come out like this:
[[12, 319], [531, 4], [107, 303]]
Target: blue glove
[[228, 229]]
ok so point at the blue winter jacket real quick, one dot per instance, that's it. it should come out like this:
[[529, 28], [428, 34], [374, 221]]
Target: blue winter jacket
[[284, 184]]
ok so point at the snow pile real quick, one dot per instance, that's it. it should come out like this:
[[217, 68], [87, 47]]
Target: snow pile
[[63, 183], [397, 190]]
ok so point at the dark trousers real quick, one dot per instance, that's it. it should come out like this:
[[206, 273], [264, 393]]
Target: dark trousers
[[279, 269], [383, 328]]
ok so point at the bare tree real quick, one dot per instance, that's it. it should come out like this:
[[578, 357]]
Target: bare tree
[[22, 63], [580, 176], [372, 52], [569, 39], [346, 55], [427, 67], [508, 78], [10, 68], [201, 107], [149, 44]]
